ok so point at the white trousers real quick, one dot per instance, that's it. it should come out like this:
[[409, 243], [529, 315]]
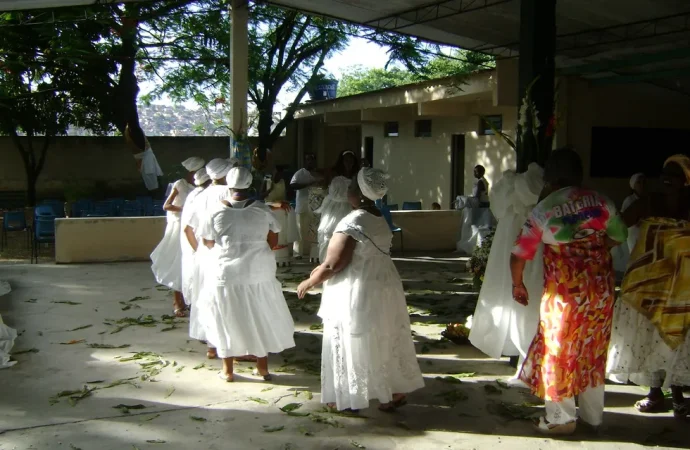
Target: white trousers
[[591, 404]]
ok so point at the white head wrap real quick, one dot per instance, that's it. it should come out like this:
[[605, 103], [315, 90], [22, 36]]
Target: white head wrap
[[218, 168], [239, 178], [193, 164], [234, 162], [373, 183], [201, 177], [634, 179]]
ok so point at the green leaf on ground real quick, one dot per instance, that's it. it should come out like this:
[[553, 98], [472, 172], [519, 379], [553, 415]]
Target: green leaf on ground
[[298, 414], [198, 419], [121, 382], [125, 408], [325, 420], [170, 391], [66, 303], [356, 444], [179, 369], [149, 419], [453, 397], [305, 432], [138, 299], [107, 346], [462, 375], [449, 379], [141, 355], [155, 441], [19, 352], [258, 400], [270, 388], [291, 407], [73, 341], [83, 327], [503, 384], [74, 447], [95, 382], [168, 329], [492, 390], [199, 366], [31, 300], [316, 326], [268, 429]]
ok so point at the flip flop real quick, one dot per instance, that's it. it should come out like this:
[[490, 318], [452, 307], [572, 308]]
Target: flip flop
[[393, 405], [267, 377], [180, 312], [543, 427], [211, 355], [226, 378], [647, 405]]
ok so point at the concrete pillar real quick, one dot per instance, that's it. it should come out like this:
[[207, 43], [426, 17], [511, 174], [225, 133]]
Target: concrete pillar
[[537, 51], [300, 143], [239, 64]]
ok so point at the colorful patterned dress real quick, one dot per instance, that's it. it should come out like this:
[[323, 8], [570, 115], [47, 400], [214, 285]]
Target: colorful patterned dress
[[568, 354]]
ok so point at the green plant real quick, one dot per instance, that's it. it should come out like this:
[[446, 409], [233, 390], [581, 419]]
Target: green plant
[[479, 259]]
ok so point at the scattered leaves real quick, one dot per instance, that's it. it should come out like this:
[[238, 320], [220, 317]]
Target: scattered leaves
[[492, 390], [270, 388], [179, 369], [149, 419], [125, 408], [170, 391], [67, 303], [126, 322], [198, 419], [291, 407], [199, 366], [268, 429], [325, 420], [31, 300], [83, 327], [155, 441], [356, 444], [453, 397], [73, 341], [449, 379], [316, 326], [258, 400], [107, 346], [95, 382], [19, 352]]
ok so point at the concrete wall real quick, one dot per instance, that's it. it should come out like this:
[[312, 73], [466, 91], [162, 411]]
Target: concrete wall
[[631, 105], [420, 168], [134, 238], [106, 163], [107, 239]]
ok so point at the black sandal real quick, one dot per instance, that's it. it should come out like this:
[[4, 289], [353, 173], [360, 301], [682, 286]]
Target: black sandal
[[393, 405]]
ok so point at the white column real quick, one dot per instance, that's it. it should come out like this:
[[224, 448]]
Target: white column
[[239, 64]]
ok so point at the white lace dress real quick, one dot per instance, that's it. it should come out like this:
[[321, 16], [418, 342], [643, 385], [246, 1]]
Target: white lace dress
[[205, 203], [333, 209], [242, 307], [501, 326], [167, 256], [368, 351]]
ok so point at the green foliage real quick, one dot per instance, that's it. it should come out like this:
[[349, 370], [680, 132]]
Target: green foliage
[[359, 79], [480, 258]]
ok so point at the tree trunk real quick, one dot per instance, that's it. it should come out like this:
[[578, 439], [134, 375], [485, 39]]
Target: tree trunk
[[266, 139], [32, 166]]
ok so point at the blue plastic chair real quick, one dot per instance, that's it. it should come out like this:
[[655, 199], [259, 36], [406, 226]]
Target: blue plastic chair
[[14, 221], [386, 213], [44, 233], [117, 206], [146, 205], [57, 206], [158, 208], [412, 206], [44, 210], [393, 207], [102, 209], [132, 209], [82, 208]]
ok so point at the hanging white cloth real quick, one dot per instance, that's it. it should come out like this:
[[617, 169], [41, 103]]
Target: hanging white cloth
[[149, 168], [7, 337], [501, 326]]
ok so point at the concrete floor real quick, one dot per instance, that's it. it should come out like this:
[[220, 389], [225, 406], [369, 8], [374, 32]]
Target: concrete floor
[[186, 406]]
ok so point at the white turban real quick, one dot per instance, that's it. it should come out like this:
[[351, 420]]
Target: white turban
[[218, 168], [372, 183], [239, 178], [193, 164], [201, 177], [234, 162], [634, 179]]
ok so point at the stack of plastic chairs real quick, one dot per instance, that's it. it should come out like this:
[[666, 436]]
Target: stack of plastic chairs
[[131, 209], [57, 206], [158, 208], [412, 206], [82, 208], [14, 221], [44, 229], [146, 205], [118, 205], [102, 209]]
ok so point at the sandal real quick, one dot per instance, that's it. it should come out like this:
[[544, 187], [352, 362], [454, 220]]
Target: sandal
[[267, 377], [393, 405], [180, 312], [333, 408], [564, 429], [680, 410], [648, 405], [212, 354], [225, 377]]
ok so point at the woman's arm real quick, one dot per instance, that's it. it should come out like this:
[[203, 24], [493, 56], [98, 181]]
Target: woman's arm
[[168, 206], [338, 256], [517, 269], [189, 232]]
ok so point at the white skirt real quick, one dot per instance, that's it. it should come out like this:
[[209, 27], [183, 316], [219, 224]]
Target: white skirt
[[167, 258], [196, 327], [247, 319], [637, 351], [332, 212]]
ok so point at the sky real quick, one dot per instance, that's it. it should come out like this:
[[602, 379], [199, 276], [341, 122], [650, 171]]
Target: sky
[[359, 52]]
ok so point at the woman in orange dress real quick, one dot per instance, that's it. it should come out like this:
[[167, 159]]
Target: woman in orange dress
[[567, 357]]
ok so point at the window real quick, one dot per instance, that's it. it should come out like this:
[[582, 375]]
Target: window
[[488, 123], [422, 128], [390, 129]]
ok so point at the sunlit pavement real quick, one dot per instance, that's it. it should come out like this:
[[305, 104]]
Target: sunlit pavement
[[149, 386]]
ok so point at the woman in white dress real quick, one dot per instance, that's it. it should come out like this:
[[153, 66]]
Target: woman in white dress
[[275, 196], [621, 253], [244, 312], [167, 256], [335, 205], [204, 203], [500, 326], [190, 265], [368, 351]]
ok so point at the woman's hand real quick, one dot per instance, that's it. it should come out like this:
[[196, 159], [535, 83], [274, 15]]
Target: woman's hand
[[304, 287], [520, 294]]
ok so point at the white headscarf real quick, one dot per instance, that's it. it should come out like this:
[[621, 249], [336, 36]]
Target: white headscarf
[[193, 164], [372, 183], [634, 179], [218, 168], [201, 177], [239, 178], [234, 162]]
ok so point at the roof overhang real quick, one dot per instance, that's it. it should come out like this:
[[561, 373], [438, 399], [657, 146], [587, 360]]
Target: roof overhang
[[11, 5]]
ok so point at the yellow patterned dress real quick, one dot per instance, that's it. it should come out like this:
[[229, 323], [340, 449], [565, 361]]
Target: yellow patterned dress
[[568, 354]]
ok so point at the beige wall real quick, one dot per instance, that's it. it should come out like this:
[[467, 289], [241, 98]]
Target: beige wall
[[417, 235], [420, 168], [88, 160], [629, 105], [107, 239]]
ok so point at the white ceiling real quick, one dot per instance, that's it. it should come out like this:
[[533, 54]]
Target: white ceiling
[[9, 5]]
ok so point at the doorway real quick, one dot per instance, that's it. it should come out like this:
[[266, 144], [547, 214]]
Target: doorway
[[369, 149], [457, 162]]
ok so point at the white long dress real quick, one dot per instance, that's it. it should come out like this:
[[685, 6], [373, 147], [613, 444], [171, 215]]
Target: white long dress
[[367, 351], [189, 265], [166, 258], [334, 208], [501, 326], [204, 204], [244, 312], [289, 233]]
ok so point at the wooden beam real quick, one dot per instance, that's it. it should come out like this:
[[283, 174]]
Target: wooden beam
[[638, 77], [337, 118], [632, 61]]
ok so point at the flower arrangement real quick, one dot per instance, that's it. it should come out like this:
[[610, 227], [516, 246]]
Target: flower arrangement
[[479, 259], [458, 333]]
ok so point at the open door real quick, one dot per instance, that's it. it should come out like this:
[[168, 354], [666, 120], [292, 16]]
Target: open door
[[369, 149], [457, 161]]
